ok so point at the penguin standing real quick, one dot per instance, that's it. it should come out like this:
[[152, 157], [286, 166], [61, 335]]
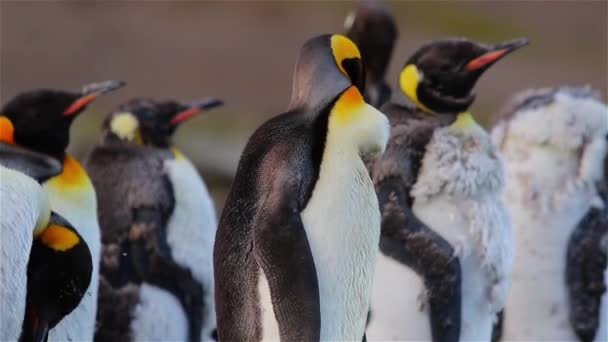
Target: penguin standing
[[554, 142], [372, 27], [48, 264], [297, 239], [41, 120], [446, 243], [154, 209]]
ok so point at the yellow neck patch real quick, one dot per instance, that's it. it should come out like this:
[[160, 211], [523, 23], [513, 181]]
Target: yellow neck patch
[[409, 80], [73, 174], [349, 101], [464, 121], [177, 154], [343, 48], [7, 130], [58, 237], [126, 126]]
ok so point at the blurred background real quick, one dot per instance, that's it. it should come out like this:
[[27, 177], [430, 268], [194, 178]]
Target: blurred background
[[244, 52]]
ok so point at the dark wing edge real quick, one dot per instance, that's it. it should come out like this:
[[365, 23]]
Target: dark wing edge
[[585, 266], [281, 249], [407, 240], [37, 166]]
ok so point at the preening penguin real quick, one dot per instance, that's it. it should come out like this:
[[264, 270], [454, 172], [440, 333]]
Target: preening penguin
[[41, 120], [446, 244], [297, 239], [372, 27], [25, 211], [158, 225], [554, 144]]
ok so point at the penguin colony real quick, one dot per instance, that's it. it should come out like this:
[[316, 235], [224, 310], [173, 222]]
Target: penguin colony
[[351, 217]]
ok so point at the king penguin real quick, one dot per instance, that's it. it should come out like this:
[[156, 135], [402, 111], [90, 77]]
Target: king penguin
[[41, 120], [297, 239], [372, 27], [154, 208], [554, 142], [45, 267], [446, 235]]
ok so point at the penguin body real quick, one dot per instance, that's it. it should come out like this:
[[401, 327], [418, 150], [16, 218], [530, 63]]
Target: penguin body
[[41, 120], [292, 260], [445, 229], [554, 144], [136, 155], [25, 209]]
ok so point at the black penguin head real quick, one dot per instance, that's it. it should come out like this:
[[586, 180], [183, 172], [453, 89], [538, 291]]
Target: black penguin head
[[147, 122], [373, 28], [327, 65], [58, 275], [40, 120], [440, 76]]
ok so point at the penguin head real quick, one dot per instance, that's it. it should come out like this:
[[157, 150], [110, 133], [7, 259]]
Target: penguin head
[[40, 120], [326, 67], [440, 76], [59, 273], [144, 121], [373, 28]]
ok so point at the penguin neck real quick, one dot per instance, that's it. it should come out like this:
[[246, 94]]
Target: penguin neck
[[464, 122]]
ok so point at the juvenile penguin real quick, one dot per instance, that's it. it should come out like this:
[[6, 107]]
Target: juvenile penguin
[[296, 243], [372, 27], [38, 245], [554, 142], [446, 244], [41, 120], [24, 211], [154, 207]]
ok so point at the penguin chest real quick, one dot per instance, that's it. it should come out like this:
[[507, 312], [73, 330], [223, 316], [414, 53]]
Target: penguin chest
[[458, 194], [72, 196], [191, 229], [342, 224]]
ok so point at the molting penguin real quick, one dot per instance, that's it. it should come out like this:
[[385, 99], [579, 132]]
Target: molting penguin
[[296, 243], [554, 144], [25, 211], [158, 225], [58, 262], [446, 244], [372, 27], [41, 120]]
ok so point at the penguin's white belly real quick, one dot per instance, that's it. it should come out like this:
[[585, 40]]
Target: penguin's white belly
[[158, 316], [342, 224], [22, 202], [545, 207], [78, 206], [191, 231], [397, 304], [445, 217]]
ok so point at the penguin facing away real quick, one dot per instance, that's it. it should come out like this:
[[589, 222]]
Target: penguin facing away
[[292, 260], [56, 263], [24, 211], [372, 27], [446, 244], [41, 120], [554, 142], [156, 270]]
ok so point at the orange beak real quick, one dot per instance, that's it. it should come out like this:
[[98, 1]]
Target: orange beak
[[194, 109], [80, 103], [497, 53], [90, 92]]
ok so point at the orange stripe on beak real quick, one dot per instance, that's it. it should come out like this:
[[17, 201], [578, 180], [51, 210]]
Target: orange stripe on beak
[[485, 59], [185, 115], [79, 104]]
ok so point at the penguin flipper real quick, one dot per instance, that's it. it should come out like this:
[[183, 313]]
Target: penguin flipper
[[153, 264], [33, 164], [585, 267], [409, 241], [281, 249]]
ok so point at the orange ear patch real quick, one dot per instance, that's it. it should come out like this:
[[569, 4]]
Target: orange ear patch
[[58, 237], [7, 130]]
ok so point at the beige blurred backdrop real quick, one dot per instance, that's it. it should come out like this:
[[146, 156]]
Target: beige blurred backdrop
[[244, 52]]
